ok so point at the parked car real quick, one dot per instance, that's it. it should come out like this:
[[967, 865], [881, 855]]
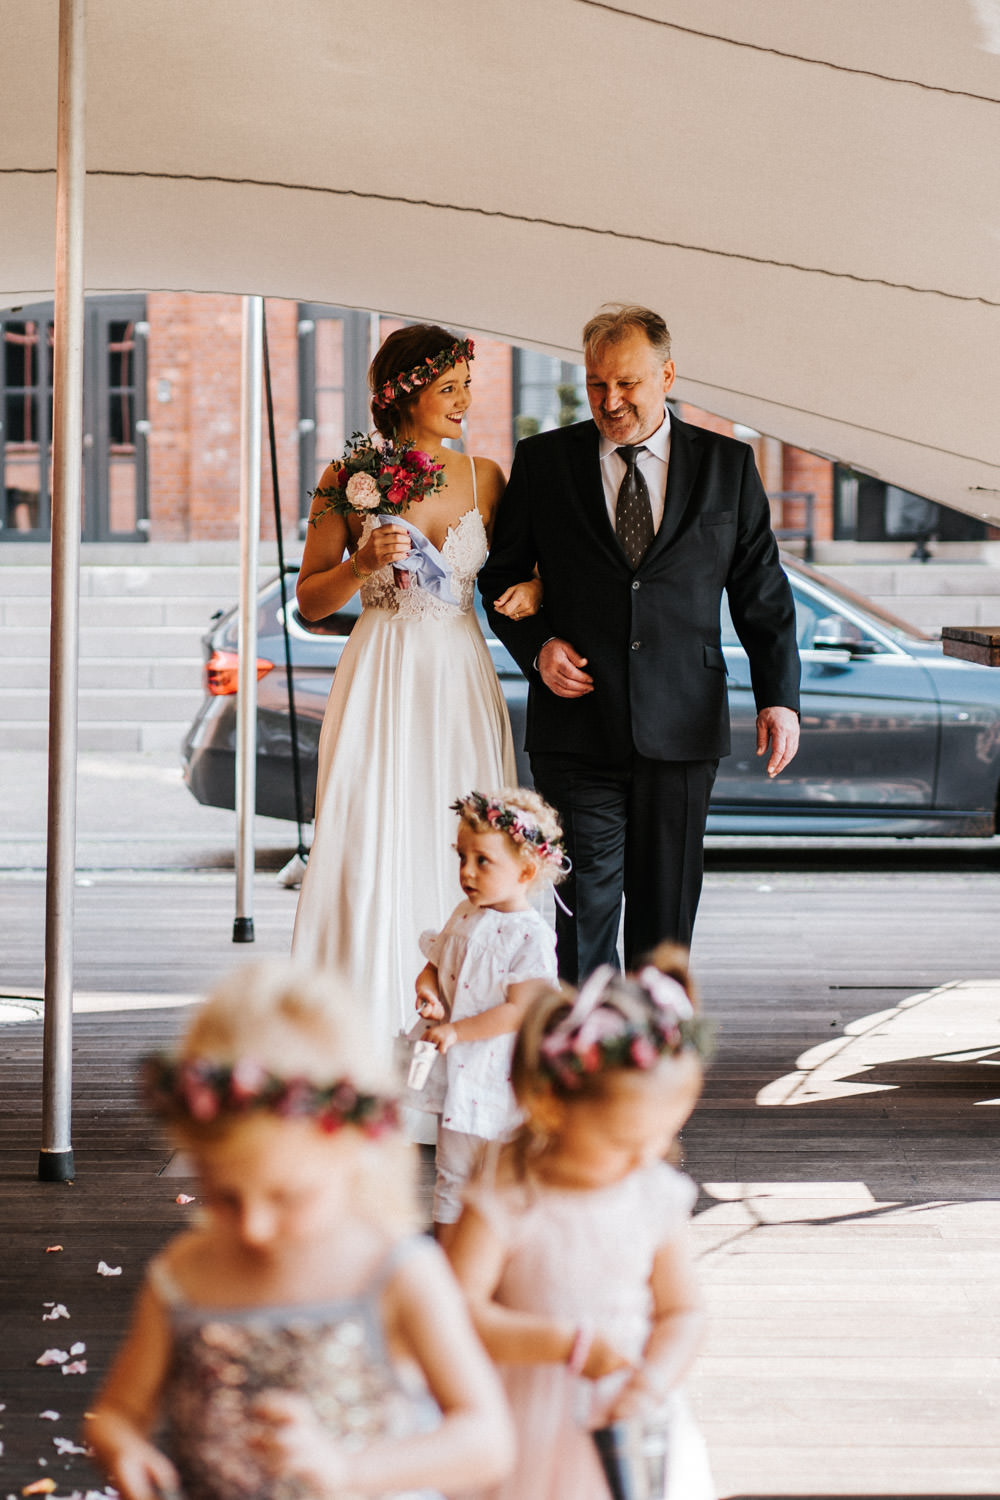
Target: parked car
[[896, 737]]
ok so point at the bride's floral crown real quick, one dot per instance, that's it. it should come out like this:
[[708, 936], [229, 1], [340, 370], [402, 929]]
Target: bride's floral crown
[[201, 1090], [600, 1032], [403, 385], [512, 821]]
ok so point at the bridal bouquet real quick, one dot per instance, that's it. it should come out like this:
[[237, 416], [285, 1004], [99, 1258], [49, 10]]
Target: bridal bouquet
[[379, 481]]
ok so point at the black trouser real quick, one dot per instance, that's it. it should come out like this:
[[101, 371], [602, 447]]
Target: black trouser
[[636, 829]]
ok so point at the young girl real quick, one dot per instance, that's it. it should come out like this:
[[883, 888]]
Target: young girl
[[296, 1341], [483, 969], [574, 1261]]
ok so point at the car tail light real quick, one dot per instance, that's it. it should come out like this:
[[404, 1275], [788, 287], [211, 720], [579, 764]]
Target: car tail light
[[222, 672]]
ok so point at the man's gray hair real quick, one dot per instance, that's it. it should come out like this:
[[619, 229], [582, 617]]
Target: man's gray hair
[[616, 321]]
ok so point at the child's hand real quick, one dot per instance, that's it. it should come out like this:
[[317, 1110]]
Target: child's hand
[[139, 1471], [604, 1359], [431, 1007], [644, 1396], [520, 600], [289, 1441], [443, 1037]]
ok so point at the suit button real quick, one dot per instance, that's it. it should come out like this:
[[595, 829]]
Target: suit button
[[636, 645], [635, 583]]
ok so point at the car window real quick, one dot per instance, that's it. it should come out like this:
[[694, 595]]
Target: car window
[[342, 623], [806, 615]]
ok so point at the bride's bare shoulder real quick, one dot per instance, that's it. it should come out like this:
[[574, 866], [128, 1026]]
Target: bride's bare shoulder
[[490, 484]]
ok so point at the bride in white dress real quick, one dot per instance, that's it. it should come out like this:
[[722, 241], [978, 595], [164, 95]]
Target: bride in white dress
[[416, 716]]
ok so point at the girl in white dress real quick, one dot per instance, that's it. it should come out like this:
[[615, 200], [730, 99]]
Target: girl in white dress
[[575, 1260], [299, 1339], [416, 713], [483, 969]]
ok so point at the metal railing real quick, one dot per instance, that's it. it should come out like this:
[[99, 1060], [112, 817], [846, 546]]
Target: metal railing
[[804, 533]]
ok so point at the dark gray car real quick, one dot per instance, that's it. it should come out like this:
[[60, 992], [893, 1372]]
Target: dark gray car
[[896, 737]]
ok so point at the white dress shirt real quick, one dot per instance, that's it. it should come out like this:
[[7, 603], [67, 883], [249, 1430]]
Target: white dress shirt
[[653, 463]]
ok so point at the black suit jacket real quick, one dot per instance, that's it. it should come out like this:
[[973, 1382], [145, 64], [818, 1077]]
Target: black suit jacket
[[651, 638]]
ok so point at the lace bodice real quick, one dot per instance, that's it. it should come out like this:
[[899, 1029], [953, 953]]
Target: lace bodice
[[464, 550]]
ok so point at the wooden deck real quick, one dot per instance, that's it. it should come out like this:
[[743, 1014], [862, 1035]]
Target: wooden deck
[[846, 1148]]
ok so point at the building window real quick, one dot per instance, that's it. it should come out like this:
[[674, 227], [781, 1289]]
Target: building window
[[869, 510], [114, 421], [334, 355], [547, 393]]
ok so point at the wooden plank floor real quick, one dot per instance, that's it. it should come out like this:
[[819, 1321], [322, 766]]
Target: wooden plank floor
[[845, 1148]]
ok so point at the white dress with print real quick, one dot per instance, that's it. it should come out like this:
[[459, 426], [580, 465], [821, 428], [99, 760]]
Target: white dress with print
[[415, 719], [478, 954]]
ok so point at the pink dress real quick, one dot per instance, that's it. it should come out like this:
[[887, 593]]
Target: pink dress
[[586, 1255]]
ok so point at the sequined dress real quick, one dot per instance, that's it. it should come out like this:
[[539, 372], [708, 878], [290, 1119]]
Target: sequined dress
[[333, 1353], [416, 717]]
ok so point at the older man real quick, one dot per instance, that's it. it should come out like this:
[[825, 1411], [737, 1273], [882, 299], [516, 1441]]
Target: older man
[[637, 523]]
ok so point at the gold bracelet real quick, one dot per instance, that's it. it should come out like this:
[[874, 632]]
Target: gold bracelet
[[358, 572]]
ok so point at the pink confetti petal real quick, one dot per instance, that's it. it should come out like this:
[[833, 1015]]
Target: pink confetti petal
[[76, 1367], [53, 1357], [78, 1348], [183, 1198], [103, 1269], [58, 1311], [49, 1416], [67, 1445], [51, 1249]]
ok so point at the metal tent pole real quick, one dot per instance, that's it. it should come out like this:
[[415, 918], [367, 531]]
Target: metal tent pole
[[246, 701], [55, 1161]]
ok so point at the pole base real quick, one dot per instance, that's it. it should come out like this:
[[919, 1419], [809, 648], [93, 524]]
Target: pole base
[[243, 930], [55, 1166]]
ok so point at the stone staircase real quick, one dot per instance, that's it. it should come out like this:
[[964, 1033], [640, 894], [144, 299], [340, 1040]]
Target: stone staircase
[[144, 609]]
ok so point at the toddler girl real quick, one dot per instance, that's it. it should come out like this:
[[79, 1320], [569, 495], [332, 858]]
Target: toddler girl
[[575, 1260], [297, 1341], [483, 970]]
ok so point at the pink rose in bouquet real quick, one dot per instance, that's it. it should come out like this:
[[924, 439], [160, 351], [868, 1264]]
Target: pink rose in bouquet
[[363, 491]]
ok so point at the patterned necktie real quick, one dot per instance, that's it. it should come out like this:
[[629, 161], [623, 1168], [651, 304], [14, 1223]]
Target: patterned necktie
[[633, 514]]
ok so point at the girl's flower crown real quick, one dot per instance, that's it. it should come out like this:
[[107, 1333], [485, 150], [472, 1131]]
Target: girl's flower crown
[[596, 1035], [515, 824], [200, 1090], [423, 374]]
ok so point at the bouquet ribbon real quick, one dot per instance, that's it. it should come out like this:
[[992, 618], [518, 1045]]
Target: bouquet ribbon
[[423, 562]]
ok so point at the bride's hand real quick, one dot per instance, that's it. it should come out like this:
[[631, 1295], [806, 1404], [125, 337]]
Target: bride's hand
[[387, 544], [520, 600]]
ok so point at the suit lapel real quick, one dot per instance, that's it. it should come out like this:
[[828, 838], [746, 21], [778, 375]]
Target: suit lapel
[[682, 469], [585, 461]]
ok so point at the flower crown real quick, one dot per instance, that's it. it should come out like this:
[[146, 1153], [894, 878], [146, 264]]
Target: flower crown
[[201, 1090], [423, 374], [515, 824], [596, 1035]]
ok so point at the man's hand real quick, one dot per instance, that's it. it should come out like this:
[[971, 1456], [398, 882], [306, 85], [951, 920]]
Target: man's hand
[[779, 728], [561, 669]]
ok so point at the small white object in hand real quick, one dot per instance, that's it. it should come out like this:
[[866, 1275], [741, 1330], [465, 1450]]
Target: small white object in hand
[[103, 1269]]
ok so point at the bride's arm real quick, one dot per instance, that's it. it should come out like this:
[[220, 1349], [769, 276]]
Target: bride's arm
[[521, 599], [328, 578]]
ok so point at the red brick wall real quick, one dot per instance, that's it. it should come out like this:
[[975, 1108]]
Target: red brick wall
[[194, 355], [488, 425], [805, 471]]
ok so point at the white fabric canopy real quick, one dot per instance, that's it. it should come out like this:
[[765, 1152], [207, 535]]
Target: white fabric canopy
[[809, 192]]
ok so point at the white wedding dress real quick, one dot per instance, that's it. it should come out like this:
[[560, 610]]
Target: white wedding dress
[[415, 719]]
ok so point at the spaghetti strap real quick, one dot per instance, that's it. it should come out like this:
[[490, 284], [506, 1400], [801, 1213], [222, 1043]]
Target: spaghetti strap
[[475, 496]]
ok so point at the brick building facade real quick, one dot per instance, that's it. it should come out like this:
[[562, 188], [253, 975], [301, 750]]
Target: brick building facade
[[163, 419]]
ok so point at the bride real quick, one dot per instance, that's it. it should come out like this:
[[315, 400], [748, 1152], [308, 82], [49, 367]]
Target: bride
[[416, 715]]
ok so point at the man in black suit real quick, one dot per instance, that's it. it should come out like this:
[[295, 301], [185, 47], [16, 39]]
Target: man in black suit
[[637, 522]]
